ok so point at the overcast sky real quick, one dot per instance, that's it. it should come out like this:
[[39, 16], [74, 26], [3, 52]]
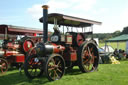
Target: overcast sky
[[112, 13]]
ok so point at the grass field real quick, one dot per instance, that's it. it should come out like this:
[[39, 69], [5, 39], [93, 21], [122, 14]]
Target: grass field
[[107, 74], [122, 45]]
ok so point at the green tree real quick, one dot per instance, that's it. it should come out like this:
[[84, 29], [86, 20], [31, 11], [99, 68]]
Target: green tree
[[116, 33], [125, 30]]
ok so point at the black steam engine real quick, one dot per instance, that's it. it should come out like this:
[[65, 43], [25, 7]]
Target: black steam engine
[[63, 49]]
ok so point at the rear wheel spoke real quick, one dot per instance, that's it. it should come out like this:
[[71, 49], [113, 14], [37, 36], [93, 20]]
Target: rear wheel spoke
[[58, 63]]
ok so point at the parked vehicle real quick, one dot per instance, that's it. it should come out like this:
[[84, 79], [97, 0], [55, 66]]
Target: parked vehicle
[[65, 49], [12, 50], [104, 56]]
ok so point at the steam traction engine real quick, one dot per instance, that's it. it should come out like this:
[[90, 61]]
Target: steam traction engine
[[13, 51], [64, 50]]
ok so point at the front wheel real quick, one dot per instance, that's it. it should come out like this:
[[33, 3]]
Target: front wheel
[[88, 57], [33, 66], [55, 67]]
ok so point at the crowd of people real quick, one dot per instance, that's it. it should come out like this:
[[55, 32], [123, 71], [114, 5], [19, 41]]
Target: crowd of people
[[120, 54], [113, 57]]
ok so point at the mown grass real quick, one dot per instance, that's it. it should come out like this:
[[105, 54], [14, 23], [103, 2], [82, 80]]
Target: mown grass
[[122, 45], [107, 74]]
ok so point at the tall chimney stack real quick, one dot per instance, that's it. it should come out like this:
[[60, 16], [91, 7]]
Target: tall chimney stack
[[45, 23]]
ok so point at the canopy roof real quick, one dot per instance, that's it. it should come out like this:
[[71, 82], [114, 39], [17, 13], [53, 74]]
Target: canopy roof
[[118, 38], [18, 30], [69, 20]]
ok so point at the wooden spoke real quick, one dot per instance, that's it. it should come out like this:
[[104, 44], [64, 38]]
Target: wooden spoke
[[85, 61], [59, 70], [58, 63], [50, 74], [56, 73], [88, 66], [51, 68], [53, 60], [93, 68]]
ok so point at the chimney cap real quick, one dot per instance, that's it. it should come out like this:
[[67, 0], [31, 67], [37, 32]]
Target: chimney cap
[[45, 6]]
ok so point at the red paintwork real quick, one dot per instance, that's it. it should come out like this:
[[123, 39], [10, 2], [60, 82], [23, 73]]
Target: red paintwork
[[16, 57], [57, 48], [20, 58], [10, 53], [70, 55], [35, 34], [73, 56], [13, 46], [27, 45], [79, 39]]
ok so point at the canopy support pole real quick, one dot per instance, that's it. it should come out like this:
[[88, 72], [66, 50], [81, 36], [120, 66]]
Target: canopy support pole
[[105, 46], [117, 45]]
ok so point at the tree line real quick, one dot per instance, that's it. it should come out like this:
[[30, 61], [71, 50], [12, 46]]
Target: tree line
[[104, 36]]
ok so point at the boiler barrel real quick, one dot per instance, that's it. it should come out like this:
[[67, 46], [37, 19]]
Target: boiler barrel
[[45, 49], [53, 48]]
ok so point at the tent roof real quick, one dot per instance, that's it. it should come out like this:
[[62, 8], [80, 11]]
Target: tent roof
[[118, 38]]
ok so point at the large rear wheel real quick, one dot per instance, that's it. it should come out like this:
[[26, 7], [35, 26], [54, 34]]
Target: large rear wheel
[[88, 57], [26, 44], [55, 67]]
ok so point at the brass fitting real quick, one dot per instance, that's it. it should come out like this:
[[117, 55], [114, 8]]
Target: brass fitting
[[45, 6]]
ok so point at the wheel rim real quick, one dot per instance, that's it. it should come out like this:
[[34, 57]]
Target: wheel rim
[[3, 65], [89, 58], [55, 68]]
